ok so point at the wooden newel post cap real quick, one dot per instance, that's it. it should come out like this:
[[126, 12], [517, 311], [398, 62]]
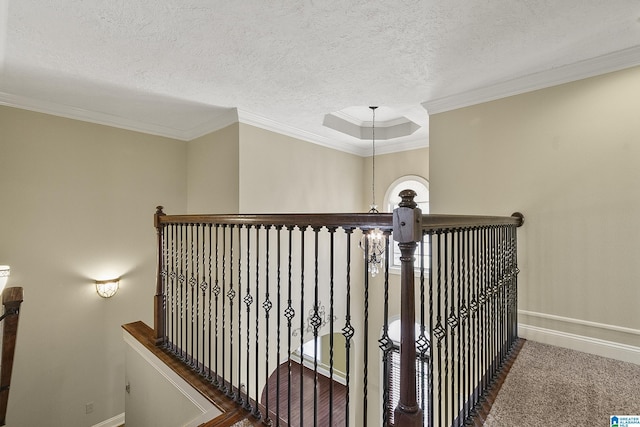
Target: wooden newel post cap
[[12, 296], [159, 210], [407, 197], [407, 219]]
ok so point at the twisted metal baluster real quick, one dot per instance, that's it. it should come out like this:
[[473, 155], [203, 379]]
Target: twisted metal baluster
[[302, 320], [315, 322], [248, 300], [238, 395], [385, 341], [266, 305], [332, 231], [256, 409], [223, 377], [348, 330], [278, 326], [231, 293], [289, 314]]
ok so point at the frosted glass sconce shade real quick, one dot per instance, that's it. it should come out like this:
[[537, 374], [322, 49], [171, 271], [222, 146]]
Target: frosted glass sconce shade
[[5, 270], [107, 288]]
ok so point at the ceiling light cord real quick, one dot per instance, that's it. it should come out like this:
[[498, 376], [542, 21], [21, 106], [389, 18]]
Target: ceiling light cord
[[374, 207]]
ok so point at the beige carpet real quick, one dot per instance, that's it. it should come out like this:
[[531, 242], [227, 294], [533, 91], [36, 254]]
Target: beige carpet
[[552, 386]]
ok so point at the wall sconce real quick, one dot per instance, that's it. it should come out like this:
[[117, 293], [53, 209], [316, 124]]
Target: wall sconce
[[5, 271], [107, 288]]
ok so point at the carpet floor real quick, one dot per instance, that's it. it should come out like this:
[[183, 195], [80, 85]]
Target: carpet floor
[[553, 386]]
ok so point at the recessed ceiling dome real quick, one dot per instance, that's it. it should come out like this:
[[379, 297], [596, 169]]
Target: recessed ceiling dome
[[357, 122]]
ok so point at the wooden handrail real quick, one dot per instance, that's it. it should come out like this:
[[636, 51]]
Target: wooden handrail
[[11, 299], [409, 227], [351, 220]]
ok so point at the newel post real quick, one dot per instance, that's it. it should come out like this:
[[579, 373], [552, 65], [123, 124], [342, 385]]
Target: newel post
[[158, 300], [11, 299], [407, 231]]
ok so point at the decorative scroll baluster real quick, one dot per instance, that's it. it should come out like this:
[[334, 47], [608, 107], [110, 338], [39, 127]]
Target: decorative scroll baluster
[[315, 322], [183, 304], [278, 318], [210, 310], [348, 330], [332, 232], [248, 300], [433, 256], [231, 293], [256, 409], [238, 395], [302, 320], [289, 314], [216, 293], [438, 331], [266, 305], [386, 345], [471, 312], [422, 343], [223, 382]]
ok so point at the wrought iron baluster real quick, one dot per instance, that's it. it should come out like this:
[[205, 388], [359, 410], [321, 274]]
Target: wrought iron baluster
[[256, 409], [267, 305], [422, 342], [432, 272], [173, 275], [223, 376], [332, 231], [365, 327], [238, 392], [248, 300], [315, 322], [439, 330], [183, 296], [192, 283], [348, 330], [289, 314], [386, 345], [231, 294], [445, 304], [216, 293], [278, 318], [302, 229]]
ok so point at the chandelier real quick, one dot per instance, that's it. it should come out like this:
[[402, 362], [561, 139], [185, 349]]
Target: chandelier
[[373, 241]]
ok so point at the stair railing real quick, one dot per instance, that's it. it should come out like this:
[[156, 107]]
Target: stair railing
[[241, 298]]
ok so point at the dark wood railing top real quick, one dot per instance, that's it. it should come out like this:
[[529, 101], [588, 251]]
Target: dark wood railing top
[[363, 221]]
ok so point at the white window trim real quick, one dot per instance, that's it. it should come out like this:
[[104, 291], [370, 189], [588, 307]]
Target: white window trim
[[395, 269]]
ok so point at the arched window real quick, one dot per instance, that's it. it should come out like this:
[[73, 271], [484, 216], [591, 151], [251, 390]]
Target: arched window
[[391, 200]]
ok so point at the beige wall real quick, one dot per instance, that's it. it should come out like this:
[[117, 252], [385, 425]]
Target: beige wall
[[76, 204], [213, 172], [390, 167], [568, 157], [282, 174]]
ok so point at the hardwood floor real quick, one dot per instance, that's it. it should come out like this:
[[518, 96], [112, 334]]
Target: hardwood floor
[[304, 397]]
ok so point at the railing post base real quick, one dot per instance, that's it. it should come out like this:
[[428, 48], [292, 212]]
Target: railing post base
[[407, 417]]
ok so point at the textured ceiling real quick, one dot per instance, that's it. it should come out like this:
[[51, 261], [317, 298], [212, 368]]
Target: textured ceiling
[[185, 67]]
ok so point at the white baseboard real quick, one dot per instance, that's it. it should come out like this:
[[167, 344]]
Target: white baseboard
[[610, 349], [116, 421]]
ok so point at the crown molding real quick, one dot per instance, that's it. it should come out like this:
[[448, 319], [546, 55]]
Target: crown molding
[[218, 122], [81, 114], [262, 122], [231, 116], [608, 63]]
